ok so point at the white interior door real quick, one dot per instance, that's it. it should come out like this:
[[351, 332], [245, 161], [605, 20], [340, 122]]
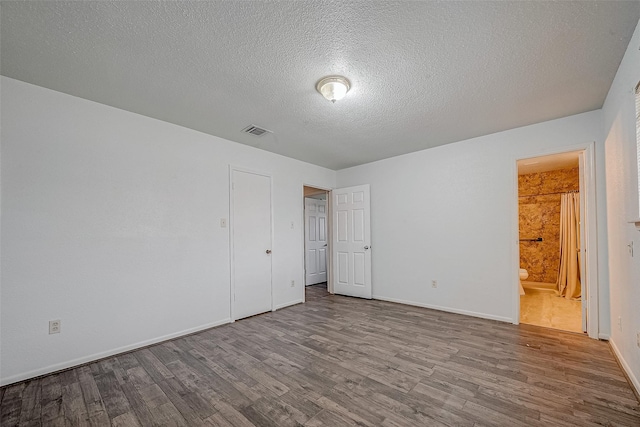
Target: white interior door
[[251, 243], [315, 240], [584, 295], [351, 247]]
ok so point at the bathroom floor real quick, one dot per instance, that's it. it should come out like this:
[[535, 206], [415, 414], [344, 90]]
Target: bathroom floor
[[541, 307]]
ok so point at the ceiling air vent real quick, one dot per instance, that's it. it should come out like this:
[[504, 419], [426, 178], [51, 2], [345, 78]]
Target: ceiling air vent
[[255, 130]]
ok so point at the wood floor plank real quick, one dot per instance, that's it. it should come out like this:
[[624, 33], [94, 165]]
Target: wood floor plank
[[96, 410], [51, 405], [31, 402], [350, 409], [242, 382], [233, 416], [167, 414], [280, 412], [191, 405], [141, 411], [115, 401], [152, 365], [125, 420], [338, 361], [11, 405], [492, 417], [303, 406], [73, 404], [215, 381], [329, 418]]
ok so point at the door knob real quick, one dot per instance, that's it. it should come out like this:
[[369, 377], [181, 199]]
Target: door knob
[[366, 248], [268, 251], [325, 245]]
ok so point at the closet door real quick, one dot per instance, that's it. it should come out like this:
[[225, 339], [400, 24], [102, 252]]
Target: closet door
[[251, 243]]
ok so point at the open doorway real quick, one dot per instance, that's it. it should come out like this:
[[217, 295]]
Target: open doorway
[[337, 240], [316, 242], [552, 269]]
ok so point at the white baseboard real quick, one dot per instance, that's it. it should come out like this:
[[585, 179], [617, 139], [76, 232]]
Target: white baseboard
[[447, 309], [97, 356], [627, 369], [288, 304], [603, 336]]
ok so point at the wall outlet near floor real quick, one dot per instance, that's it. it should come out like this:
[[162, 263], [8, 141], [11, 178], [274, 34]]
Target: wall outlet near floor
[[638, 339], [434, 283], [223, 222], [54, 326], [293, 283], [620, 323]]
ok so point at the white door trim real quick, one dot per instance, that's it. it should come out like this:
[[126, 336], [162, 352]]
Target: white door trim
[[591, 235], [584, 308], [232, 169]]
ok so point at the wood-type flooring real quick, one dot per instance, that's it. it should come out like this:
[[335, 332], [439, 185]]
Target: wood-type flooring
[[339, 361]]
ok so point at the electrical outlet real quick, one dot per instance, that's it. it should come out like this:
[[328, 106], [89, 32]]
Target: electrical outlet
[[620, 323], [54, 327], [434, 283], [630, 248], [223, 222], [638, 339], [292, 225], [293, 283]]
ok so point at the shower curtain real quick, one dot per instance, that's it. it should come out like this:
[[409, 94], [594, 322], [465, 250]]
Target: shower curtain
[[568, 283]]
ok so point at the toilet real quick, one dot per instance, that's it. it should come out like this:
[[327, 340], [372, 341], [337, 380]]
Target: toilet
[[523, 276]]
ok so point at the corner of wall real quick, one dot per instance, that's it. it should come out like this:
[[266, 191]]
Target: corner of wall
[[620, 153]]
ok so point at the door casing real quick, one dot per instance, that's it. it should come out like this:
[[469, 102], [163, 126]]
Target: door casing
[[589, 244]]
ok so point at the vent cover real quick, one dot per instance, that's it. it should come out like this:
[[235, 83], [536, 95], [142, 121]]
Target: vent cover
[[255, 130]]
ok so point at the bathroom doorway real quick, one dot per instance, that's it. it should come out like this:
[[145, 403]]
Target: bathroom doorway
[[552, 265]]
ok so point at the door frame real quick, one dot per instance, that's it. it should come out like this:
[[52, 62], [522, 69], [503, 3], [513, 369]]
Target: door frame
[[590, 244], [329, 238], [232, 169]]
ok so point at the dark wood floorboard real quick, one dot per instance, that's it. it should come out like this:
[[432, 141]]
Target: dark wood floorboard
[[338, 361], [315, 292]]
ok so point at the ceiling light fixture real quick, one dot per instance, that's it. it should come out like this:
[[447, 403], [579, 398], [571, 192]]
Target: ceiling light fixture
[[333, 88]]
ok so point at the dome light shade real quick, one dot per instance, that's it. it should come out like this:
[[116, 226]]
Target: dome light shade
[[333, 88]]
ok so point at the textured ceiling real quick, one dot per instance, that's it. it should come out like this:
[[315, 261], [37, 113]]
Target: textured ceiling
[[423, 74]]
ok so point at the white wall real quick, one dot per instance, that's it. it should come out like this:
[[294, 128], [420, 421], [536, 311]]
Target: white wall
[[448, 214], [111, 222], [622, 207]]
